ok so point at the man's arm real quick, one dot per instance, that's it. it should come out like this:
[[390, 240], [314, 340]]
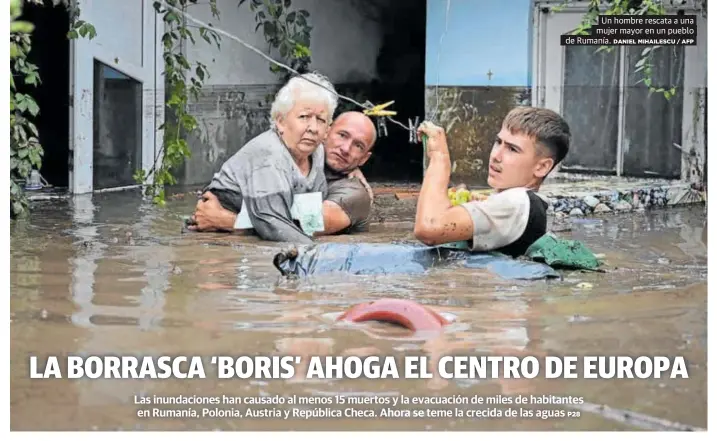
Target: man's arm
[[335, 219], [347, 204], [211, 216], [437, 222]]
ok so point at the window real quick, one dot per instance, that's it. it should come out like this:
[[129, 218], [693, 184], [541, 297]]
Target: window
[[619, 127]]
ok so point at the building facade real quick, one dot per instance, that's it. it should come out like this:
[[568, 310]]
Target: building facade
[[465, 67], [496, 54]]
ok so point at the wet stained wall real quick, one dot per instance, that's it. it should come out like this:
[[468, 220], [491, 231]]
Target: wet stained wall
[[477, 69]]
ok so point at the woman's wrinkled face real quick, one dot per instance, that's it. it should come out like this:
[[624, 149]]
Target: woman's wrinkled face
[[304, 127]]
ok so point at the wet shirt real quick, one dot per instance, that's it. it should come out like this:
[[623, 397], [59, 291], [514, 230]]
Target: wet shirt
[[264, 176], [508, 221], [352, 197]]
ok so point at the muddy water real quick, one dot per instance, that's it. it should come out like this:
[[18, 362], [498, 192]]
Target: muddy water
[[110, 275]]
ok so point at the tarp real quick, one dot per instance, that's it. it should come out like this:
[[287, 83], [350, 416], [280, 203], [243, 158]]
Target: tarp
[[383, 259], [563, 253]]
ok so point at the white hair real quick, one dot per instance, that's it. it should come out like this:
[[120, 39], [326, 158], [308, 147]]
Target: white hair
[[299, 89]]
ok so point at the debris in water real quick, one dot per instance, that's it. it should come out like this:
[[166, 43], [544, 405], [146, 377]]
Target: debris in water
[[584, 285]]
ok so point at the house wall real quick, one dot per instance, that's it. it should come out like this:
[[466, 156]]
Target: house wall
[[127, 40], [483, 58], [619, 127], [236, 98], [477, 69]]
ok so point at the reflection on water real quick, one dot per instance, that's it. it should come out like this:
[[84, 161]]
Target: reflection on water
[[110, 275]]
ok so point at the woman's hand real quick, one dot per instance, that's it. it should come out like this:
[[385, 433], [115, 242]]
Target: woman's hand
[[359, 175]]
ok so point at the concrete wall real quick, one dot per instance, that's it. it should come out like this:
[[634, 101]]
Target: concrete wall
[[483, 58], [129, 40], [236, 98], [477, 69]]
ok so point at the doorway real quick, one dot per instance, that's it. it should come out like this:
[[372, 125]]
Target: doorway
[[51, 54], [117, 128], [400, 66]]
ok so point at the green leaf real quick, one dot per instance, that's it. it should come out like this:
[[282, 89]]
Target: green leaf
[[32, 107], [269, 29], [21, 27]]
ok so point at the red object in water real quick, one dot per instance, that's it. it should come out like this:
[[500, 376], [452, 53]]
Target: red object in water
[[406, 313]]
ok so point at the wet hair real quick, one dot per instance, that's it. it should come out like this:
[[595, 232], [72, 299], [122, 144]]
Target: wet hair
[[299, 89], [545, 126]]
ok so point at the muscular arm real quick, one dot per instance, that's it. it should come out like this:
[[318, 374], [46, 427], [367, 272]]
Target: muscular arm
[[437, 222]]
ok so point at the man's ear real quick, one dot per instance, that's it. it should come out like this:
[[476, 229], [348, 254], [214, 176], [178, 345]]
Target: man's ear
[[543, 167], [363, 161]]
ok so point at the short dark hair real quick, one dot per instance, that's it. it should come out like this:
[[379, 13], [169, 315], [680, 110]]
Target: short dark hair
[[544, 125]]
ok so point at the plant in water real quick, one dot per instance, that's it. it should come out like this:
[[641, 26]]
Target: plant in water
[[286, 30], [25, 149], [182, 80], [625, 7]]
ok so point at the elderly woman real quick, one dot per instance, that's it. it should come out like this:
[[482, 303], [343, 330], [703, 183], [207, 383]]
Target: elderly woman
[[288, 159]]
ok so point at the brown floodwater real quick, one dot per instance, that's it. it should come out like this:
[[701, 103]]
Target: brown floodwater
[[109, 275]]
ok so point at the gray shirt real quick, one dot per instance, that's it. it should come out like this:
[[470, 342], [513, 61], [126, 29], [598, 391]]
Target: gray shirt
[[264, 175], [352, 197]]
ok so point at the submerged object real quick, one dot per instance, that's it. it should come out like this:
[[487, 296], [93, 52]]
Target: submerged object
[[384, 259], [406, 313]]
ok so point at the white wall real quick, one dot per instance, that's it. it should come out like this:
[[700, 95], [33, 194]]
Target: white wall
[[120, 44], [344, 44]]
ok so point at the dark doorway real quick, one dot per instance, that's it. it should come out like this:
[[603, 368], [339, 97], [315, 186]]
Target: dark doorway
[[117, 127], [51, 53], [401, 78]]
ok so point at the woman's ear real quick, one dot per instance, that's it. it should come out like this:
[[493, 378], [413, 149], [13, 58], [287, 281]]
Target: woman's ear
[[280, 124]]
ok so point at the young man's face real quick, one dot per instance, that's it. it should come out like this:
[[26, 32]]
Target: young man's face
[[516, 161]]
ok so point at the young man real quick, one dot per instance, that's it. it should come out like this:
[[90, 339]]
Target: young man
[[347, 206], [531, 142]]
